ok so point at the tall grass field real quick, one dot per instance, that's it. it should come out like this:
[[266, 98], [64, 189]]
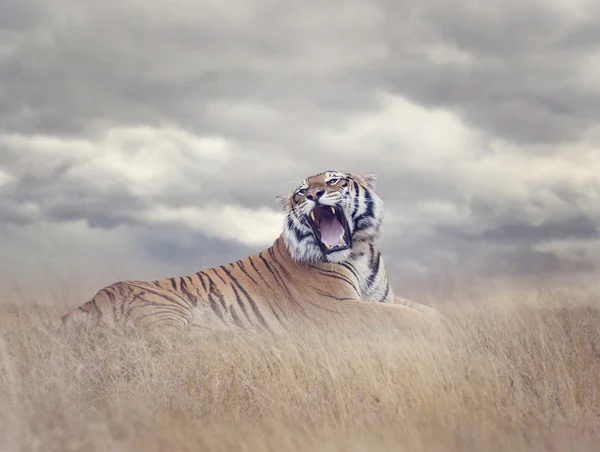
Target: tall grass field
[[494, 375]]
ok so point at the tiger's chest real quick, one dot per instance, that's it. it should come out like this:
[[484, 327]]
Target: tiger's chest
[[368, 269]]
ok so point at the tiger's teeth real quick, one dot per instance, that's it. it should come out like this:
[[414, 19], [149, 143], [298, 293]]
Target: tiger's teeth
[[332, 210], [312, 215]]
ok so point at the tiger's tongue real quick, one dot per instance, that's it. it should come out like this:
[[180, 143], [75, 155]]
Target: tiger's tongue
[[331, 230]]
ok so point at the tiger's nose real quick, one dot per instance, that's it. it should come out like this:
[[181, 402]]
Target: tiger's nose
[[315, 194]]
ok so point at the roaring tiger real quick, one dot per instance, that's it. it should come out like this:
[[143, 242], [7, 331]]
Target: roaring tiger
[[324, 266]]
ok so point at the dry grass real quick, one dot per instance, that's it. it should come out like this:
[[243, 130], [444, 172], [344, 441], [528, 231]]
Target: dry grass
[[497, 376]]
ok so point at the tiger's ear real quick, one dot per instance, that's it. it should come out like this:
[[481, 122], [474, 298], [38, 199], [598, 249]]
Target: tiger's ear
[[370, 180], [284, 202]]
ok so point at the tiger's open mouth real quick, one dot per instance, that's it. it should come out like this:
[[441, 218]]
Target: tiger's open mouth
[[330, 228]]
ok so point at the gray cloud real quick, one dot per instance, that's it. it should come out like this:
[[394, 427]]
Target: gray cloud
[[148, 117], [512, 69], [177, 245], [580, 228]]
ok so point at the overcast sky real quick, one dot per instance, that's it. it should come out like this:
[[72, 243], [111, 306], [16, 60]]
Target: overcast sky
[[143, 139]]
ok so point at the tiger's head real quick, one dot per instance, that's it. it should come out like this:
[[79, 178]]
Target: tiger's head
[[329, 213]]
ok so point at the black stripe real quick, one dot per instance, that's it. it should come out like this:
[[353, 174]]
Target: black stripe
[[356, 197], [129, 298], [215, 307], [327, 294], [221, 298], [158, 308], [357, 254], [170, 296], [272, 252], [332, 273], [279, 243], [96, 307], [113, 304], [369, 201], [216, 273], [255, 309], [123, 298], [350, 267], [387, 290], [242, 268], [250, 300], [235, 317], [212, 292], [199, 274], [173, 283], [287, 274], [274, 312], [156, 313], [283, 269], [168, 306], [342, 278], [197, 296], [256, 269], [187, 293], [363, 220], [299, 234], [161, 293], [239, 302], [371, 255], [374, 267], [336, 275], [278, 279], [316, 305]]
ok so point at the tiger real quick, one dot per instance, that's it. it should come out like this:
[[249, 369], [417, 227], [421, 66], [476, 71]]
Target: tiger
[[323, 267]]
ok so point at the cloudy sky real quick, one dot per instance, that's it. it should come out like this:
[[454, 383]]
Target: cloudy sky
[[142, 139]]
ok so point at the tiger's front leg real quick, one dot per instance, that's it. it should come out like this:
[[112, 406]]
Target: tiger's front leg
[[427, 310], [397, 315]]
